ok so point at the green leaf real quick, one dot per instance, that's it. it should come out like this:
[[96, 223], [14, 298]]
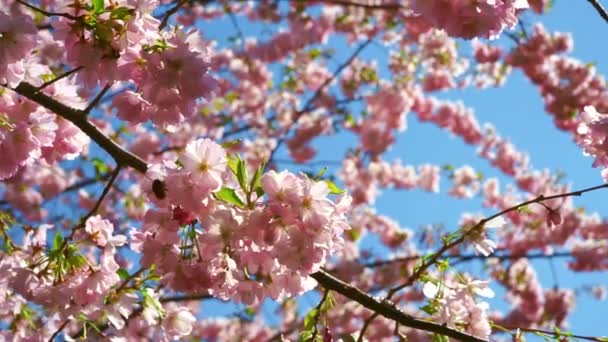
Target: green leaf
[[100, 166], [353, 234], [369, 75], [524, 209], [57, 242], [350, 120], [242, 176], [320, 173], [333, 188], [233, 162], [256, 181], [310, 319], [431, 308], [305, 336], [122, 273], [98, 6], [443, 265], [329, 303], [229, 196], [314, 53], [230, 143], [122, 13], [440, 338]]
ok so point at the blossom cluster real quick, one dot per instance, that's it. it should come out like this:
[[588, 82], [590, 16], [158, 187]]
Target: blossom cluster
[[201, 242]]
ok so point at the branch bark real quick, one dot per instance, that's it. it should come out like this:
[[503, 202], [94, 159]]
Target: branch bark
[[78, 118], [388, 310]]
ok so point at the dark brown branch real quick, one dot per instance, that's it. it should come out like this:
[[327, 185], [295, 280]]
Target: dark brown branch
[[185, 298], [388, 310], [599, 8], [77, 117]]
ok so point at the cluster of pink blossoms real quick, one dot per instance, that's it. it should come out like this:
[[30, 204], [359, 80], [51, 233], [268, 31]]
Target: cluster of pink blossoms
[[470, 19], [265, 248], [456, 304], [29, 132], [17, 40]]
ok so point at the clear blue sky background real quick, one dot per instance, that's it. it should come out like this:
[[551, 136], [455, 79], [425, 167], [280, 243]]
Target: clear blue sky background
[[516, 110]]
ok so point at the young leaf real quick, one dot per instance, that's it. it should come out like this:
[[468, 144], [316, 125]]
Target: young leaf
[[57, 241], [256, 181], [241, 175], [310, 319], [233, 163], [333, 188], [122, 273], [98, 6], [229, 196], [320, 173], [100, 167]]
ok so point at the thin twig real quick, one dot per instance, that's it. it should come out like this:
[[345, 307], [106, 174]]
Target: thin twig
[[62, 76], [170, 12], [458, 258], [106, 190], [59, 330], [309, 104], [553, 333], [235, 23], [46, 13], [318, 314], [97, 98], [366, 5]]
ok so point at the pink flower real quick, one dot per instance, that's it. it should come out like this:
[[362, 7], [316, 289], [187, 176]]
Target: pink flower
[[428, 177], [477, 235], [100, 231], [469, 19], [17, 39], [280, 187], [131, 107], [206, 161], [178, 323]]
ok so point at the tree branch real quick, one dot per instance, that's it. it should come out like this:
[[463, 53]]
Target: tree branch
[[171, 11], [599, 8], [46, 13], [388, 310], [77, 117], [552, 333], [64, 75], [97, 98], [386, 6], [458, 258]]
